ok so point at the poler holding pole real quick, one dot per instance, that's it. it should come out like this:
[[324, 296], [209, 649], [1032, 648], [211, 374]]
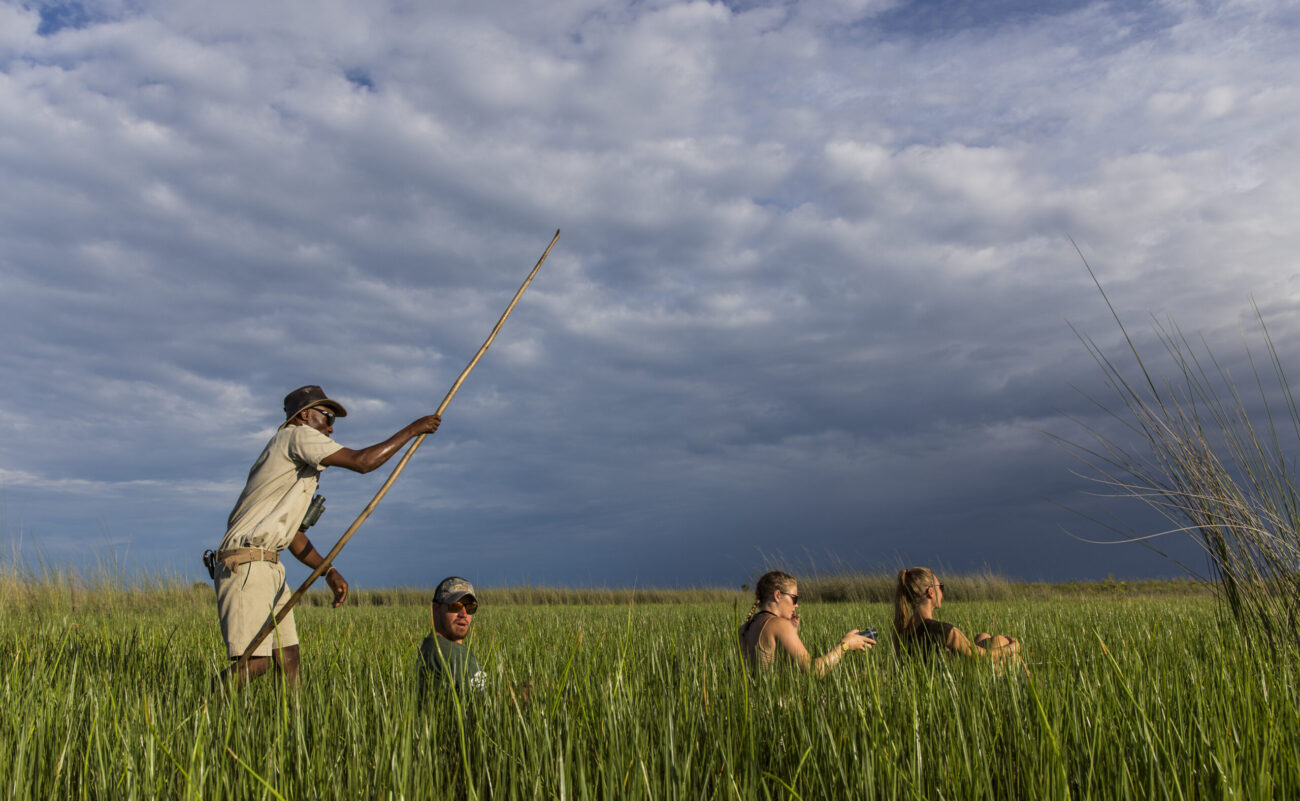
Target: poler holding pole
[[272, 515], [254, 655]]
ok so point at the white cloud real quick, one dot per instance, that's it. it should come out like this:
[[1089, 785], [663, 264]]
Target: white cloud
[[17, 28]]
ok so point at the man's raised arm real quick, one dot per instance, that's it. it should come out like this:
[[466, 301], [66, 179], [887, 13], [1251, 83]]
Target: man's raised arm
[[367, 459]]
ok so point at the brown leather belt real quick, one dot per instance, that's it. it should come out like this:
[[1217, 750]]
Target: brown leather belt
[[242, 556]]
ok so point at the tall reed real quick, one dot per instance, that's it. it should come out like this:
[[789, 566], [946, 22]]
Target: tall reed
[[1214, 462]]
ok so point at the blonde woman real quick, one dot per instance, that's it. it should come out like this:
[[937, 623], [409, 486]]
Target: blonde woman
[[918, 594], [773, 627]]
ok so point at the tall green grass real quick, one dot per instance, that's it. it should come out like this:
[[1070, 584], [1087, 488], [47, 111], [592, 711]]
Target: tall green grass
[[1127, 698]]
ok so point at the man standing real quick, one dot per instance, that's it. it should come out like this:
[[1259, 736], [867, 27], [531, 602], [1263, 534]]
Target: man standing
[[267, 519], [443, 655]]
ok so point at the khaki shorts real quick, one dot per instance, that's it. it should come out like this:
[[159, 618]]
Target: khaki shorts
[[244, 604]]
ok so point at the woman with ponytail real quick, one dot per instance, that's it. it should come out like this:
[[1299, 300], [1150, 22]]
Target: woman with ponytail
[[916, 597], [773, 627]]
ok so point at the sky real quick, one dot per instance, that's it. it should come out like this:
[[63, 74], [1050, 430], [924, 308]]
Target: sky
[[813, 305]]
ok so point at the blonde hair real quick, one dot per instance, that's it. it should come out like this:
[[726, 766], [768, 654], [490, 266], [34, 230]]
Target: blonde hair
[[768, 583], [912, 584]]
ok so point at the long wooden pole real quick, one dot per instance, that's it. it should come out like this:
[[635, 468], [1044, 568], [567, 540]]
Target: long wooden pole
[[383, 490]]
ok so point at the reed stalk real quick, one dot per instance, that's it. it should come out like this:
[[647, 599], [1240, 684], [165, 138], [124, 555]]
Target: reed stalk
[[1215, 461]]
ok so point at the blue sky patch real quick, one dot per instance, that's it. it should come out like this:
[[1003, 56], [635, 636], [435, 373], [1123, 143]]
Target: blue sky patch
[[360, 77], [57, 17], [937, 19]]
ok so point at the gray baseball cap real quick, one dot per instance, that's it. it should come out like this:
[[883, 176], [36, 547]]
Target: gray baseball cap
[[453, 588]]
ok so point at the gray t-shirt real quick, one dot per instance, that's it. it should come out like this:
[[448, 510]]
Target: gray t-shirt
[[442, 660]]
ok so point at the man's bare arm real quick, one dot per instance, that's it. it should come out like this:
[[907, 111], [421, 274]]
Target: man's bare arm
[[305, 552], [367, 459]]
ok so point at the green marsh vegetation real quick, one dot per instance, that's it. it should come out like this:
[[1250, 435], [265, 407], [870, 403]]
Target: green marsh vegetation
[[1131, 694]]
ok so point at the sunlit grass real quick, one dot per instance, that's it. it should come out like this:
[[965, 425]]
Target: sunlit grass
[[1140, 697]]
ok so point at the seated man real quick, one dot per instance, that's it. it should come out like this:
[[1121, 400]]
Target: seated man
[[443, 655]]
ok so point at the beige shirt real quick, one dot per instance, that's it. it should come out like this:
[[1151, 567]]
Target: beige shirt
[[279, 489]]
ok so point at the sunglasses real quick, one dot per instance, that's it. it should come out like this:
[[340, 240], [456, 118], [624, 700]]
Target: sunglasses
[[455, 607], [940, 586], [794, 598], [329, 416]]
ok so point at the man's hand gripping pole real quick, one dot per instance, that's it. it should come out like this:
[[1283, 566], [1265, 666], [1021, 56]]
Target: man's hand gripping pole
[[383, 490]]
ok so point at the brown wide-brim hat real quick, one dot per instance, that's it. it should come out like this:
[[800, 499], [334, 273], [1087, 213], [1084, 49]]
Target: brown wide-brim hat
[[307, 397]]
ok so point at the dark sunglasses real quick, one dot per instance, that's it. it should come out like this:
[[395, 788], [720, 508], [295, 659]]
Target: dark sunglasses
[[794, 598], [329, 416], [470, 608], [940, 585]]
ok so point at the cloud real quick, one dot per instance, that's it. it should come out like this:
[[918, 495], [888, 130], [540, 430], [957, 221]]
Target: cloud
[[812, 288]]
